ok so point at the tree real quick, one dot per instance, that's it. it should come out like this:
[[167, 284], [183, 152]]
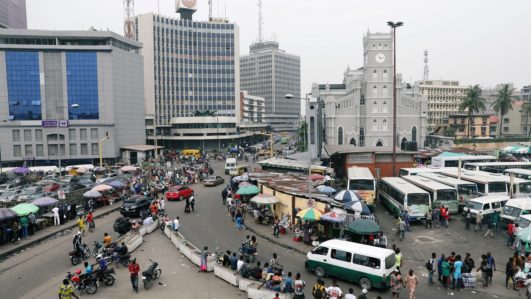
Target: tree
[[503, 103], [472, 103], [303, 142]]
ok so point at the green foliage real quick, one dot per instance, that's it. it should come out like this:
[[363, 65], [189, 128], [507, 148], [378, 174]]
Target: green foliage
[[503, 103], [472, 103]]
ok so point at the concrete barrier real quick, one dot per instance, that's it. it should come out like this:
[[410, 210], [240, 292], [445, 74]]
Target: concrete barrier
[[142, 230], [175, 240], [226, 274], [168, 232], [243, 283], [153, 226], [254, 293], [132, 240]]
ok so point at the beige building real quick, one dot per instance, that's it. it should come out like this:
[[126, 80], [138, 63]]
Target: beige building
[[513, 122], [481, 126], [444, 97]]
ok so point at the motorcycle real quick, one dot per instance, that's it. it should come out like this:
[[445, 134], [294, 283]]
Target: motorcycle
[[120, 259], [152, 273], [77, 256], [83, 282], [106, 277]]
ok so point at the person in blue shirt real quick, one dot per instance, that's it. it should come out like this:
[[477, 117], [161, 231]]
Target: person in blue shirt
[[88, 268], [288, 284], [233, 261], [439, 266], [458, 279], [101, 262]]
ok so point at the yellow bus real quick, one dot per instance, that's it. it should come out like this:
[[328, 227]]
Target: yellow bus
[[361, 181], [191, 152]]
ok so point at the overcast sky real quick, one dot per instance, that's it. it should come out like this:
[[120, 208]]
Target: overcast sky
[[474, 41]]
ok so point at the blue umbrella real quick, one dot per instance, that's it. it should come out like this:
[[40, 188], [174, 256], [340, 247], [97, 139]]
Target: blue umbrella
[[326, 189], [346, 196], [358, 206], [116, 184]]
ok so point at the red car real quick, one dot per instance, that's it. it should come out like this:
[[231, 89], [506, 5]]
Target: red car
[[179, 193]]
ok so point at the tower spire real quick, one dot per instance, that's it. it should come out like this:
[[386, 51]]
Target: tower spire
[[260, 22], [210, 10], [129, 25], [426, 69]]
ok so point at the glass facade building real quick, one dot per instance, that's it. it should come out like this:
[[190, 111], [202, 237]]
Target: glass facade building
[[23, 85], [82, 84]]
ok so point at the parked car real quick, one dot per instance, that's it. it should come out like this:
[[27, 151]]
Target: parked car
[[87, 182], [213, 180], [10, 195], [36, 196], [28, 191], [179, 193], [106, 177], [72, 187], [53, 187], [135, 206], [8, 186]]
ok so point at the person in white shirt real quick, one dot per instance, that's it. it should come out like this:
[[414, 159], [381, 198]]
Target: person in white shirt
[[350, 294], [334, 292], [56, 219], [162, 205], [239, 264], [176, 223]]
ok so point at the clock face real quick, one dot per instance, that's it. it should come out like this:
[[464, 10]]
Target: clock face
[[189, 3], [380, 57]]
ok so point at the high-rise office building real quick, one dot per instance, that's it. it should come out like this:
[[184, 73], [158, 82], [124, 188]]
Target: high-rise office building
[[192, 87], [13, 14], [64, 92], [271, 73]]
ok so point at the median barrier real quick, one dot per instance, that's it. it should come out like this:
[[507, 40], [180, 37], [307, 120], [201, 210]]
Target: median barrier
[[131, 239], [168, 231], [152, 226], [142, 230], [226, 274], [243, 283], [253, 292], [175, 240]]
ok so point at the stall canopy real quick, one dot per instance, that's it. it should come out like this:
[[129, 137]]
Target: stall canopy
[[6, 213], [364, 227], [92, 194], [248, 190], [101, 188], [517, 149], [264, 199], [24, 209], [21, 170], [326, 189], [310, 214], [44, 201], [333, 217], [346, 196], [116, 184]]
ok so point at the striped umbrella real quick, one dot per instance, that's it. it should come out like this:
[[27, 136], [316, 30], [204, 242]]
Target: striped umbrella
[[326, 189], [310, 214], [345, 196], [333, 217]]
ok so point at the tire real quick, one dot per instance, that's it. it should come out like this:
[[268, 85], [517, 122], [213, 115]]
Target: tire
[[108, 280], [320, 271], [365, 283], [91, 288], [157, 273], [75, 260], [147, 283], [87, 253]]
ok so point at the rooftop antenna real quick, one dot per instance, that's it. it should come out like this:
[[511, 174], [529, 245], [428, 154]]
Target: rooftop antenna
[[210, 10], [426, 70], [129, 25], [260, 22]]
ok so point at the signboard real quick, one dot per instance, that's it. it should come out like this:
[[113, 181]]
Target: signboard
[[52, 123], [61, 195]]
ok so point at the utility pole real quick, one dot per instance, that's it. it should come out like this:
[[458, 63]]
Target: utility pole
[[393, 26]]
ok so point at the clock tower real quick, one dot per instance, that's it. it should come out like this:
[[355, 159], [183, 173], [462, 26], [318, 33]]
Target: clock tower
[[378, 87]]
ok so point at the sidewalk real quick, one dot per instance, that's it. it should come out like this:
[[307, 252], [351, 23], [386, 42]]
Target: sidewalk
[[10, 248]]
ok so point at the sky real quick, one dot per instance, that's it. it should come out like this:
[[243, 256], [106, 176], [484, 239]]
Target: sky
[[482, 42]]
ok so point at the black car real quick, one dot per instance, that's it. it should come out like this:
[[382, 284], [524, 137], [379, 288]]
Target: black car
[[135, 206]]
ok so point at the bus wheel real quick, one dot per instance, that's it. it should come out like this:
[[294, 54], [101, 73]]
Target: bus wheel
[[365, 283], [320, 272]]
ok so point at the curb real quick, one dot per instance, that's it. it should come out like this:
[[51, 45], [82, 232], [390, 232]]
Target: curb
[[6, 254], [274, 240]]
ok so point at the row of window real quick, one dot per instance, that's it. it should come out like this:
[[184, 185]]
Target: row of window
[[72, 135], [345, 256], [54, 149]]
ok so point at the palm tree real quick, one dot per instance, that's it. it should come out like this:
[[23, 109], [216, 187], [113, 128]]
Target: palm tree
[[472, 103], [503, 103]]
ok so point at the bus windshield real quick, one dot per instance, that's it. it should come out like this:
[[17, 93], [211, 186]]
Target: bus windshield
[[512, 211], [467, 189], [446, 195], [418, 199], [523, 188], [523, 223], [497, 187], [359, 185]]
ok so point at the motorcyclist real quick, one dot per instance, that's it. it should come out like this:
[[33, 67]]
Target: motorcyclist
[[88, 269], [101, 263], [121, 250], [76, 242]]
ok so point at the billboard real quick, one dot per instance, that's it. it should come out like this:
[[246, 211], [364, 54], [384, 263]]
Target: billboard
[[52, 123]]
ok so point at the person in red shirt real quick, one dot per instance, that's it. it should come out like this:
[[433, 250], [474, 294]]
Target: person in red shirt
[[134, 268], [510, 237], [90, 221]]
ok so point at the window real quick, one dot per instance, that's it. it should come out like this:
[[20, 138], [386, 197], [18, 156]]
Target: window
[[72, 134], [384, 124], [390, 261], [84, 149], [374, 125], [94, 134], [340, 135], [341, 255], [40, 150], [94, 149], [23, 85], [27, 135], [374, 107], [52, 149], [384, 105], [384, 75], [375, 75], [38, 135], [505, 129], [83, 134], [312, 130], [73, 149], [379, 143], [414, 134], [353, 141], [320, 250], [362, 137], [17, 151], [385, 90], [82, 84], [28, 150], [362, 100], [374, 91], [505, 120], [16, 135]]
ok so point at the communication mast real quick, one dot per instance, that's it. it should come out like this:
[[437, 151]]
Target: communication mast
[[426, 70], [260, 22], [210, 10], [129, 25]]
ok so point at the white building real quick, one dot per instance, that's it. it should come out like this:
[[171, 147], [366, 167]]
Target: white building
[[253, 108]]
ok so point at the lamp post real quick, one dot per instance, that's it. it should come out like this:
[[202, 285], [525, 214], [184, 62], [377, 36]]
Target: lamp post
[[393, 26], [73, 106]]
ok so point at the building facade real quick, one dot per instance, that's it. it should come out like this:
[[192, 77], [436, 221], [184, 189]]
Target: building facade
[[13, 14], [191, 70], [271, 73], [512, 122], [253, 108], [359, 111], [444, 97], [62, 92], [480, 126]]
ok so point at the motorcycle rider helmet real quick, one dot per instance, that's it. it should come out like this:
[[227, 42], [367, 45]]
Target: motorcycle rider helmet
[[76, 279], [98, 257], [78, 271]]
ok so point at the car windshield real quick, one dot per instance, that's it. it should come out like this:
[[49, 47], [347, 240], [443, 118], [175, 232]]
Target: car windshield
[[390, 261], [497, 187], [132, 199], [471, 189], [512, 211], [210, 177], [174, 189], [475, 205], [7, 193], [523, 222]]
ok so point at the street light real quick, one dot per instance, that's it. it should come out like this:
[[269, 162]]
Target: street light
[[393, 26], [73, 106]]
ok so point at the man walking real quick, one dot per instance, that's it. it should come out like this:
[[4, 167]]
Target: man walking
[[489, 228], [24, 223], [468, 219], [134, 268], [429, 215], [411, 282], [56, 220], [479, 222], [431, 268], [299, 287], [402, 227], [66, 291], [32, 223]]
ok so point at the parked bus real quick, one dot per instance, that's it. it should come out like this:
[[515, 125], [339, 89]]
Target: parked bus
[[519, 173], [453, 161], [398, 195], [417, 171], [496, 167], [440, 194], [521, 187], [486, 185], [361, 180], [465, 190]]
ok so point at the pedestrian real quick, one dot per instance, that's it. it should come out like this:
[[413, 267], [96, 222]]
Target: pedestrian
[[90, 221], [457, 276], [56, 219], [510, 240], [509, 273], [299, 285], [479, 222], [527, 283], [446, 269], [288, 284], [276, 228], [483, 269], [436, 216], [333, 291], [162, 205], [411, 282], [204, 258], [319, 290], [468, 219], [176, 224], [363, 294], [490, 228], [430, 265], [398, 259], [224, 194], [440, 262], [402, 227], [81, 224], [491, 267], [32, 223], [350, 294], [239, 220], [406, 219], [134, 268], [24, 223], [187, 205], [396, 284], [66, 291], [468, 263], [429, 215], [495, 221], [192, 203]]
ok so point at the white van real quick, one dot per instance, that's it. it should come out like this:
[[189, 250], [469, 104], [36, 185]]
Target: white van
[[366, 265], [515, 208], [486, 204], [230, 163], [524, 221]]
